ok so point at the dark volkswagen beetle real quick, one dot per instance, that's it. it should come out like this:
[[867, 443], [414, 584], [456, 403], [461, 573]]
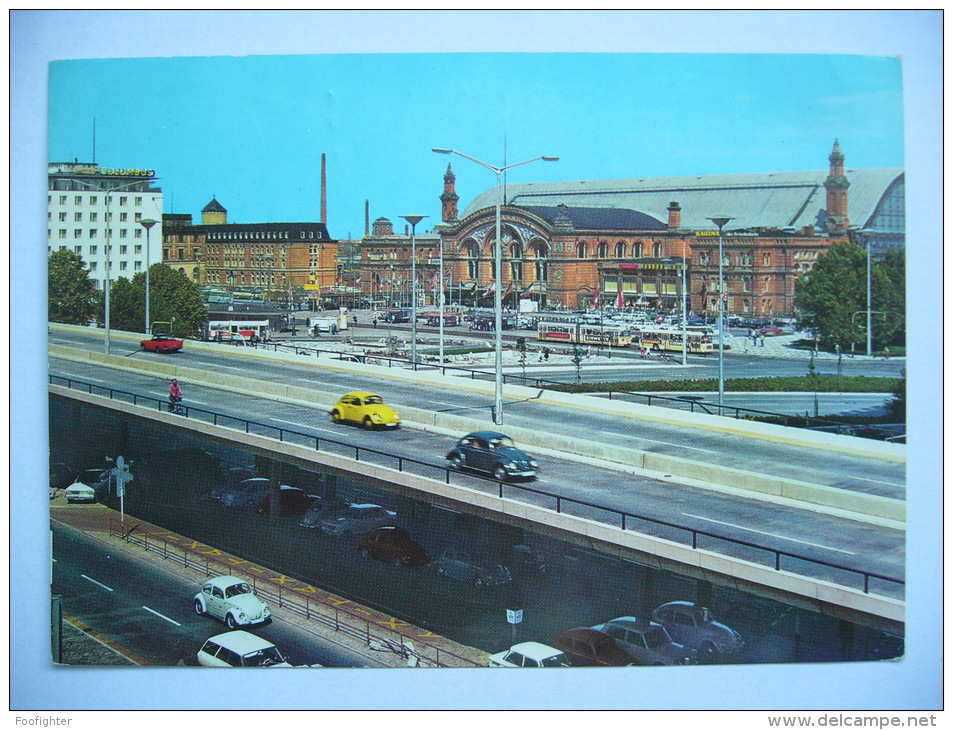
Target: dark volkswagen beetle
[[494, 453]]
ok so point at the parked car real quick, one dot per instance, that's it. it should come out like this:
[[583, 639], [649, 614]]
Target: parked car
[[246, 493], [462, 566], [292, 502], [588, 647], [527, 562], [694, 627], [231, 600], [356, 519], [240, 649], [161, 343], [494, 453], [772, 330], [646, 641], [529, 654], [79, 492], [367, 409], [233, 477], [393, 545], [318, 509]]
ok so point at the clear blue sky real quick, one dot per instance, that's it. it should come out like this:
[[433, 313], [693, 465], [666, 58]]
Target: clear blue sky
[[251, 130]]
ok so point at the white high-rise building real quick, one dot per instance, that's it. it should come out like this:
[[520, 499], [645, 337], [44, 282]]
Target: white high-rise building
[[90, 208]]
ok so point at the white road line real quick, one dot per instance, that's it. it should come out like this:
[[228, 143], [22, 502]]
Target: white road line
[[82, 575], [302, 425], [878, 481], [770, 534], [81, 377], [678, 446], [161, 616]]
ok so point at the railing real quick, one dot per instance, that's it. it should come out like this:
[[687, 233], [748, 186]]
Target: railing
[[697, 539], [694, 404], [335, 617]]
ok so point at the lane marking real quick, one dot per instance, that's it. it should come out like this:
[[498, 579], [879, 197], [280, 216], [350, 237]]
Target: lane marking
[[83, 575], [677, 446], [769, 534], [80, 377], [161, 616], [302, 425], [878, 481]]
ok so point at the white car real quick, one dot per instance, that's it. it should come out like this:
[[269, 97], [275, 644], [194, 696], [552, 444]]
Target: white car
[[356, 519], [530, 654], [231, 600], [240, 649], [80, 492]]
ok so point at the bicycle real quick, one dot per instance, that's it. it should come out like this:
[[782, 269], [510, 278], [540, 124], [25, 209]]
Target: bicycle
[[175, 406]]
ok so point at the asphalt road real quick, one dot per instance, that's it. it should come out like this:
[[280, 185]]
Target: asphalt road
[[875, 476], [775, 526], [148, 611]]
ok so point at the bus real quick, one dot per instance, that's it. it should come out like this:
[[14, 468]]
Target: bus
[[699, 340], [583, 334], [449, 320]]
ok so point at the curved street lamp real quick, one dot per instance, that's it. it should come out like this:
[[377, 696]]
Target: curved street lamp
[[106, 286], [721, 222], [147, 223], [498, 256], [413, 219]]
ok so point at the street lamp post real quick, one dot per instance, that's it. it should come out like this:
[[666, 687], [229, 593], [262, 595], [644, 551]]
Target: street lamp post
[[864, 233], [440, 306], [107, 191], [413, 219], [498, 258], [684, 311], [147, 223], [721, 222]]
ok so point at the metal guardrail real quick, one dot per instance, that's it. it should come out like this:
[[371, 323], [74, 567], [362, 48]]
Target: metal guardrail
[[331, 616], [779, 559], [694, 404]]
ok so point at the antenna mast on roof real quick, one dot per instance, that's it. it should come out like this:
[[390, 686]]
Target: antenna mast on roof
[[94, 140]]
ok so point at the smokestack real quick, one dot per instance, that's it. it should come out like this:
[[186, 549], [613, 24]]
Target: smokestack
[[324, 189], [367, 218]]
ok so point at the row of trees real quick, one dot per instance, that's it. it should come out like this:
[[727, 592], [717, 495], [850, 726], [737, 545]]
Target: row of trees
[[74, 299], [832, 299]]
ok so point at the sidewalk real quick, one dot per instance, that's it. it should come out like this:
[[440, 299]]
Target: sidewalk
[[382, 649]]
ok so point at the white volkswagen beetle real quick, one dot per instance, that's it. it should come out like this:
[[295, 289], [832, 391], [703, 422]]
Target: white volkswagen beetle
[[231, 600]]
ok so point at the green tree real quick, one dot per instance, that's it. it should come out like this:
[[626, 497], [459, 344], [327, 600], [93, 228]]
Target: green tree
[[72, 295], [889, 295], [832, 298], [172, 298]]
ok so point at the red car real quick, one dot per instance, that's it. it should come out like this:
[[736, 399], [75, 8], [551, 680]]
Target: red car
[[393, 545], [587, 647], [161, 343], [293, 502], [772, 331]]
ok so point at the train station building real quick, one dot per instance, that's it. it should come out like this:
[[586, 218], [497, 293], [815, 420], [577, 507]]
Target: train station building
[[628, 241]]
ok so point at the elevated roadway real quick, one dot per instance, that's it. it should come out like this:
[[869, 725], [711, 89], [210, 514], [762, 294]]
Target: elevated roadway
[[849, 510]]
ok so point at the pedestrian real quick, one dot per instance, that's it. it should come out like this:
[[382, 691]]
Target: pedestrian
[[886, 353], [375, 321], [546, 353], [762, 340]]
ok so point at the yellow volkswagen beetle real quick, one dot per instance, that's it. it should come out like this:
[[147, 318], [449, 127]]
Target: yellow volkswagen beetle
[[367, 409]]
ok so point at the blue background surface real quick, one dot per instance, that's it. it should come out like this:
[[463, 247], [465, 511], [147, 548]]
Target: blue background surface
[[38, 37]]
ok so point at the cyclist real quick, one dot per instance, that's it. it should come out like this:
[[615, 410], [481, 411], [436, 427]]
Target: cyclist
[[175, 396]]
